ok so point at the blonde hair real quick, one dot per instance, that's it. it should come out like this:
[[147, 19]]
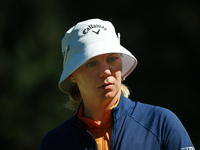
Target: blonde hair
[[75, 98]]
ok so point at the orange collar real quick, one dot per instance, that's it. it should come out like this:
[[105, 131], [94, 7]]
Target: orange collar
[[89, 123]]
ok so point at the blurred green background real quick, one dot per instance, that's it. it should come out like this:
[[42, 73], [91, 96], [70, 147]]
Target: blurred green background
[[163, 35]]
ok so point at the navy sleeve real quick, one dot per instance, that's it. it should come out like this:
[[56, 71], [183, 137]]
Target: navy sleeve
[[175, 136]]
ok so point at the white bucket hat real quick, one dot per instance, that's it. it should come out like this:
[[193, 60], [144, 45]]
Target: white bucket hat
[[86, 40]]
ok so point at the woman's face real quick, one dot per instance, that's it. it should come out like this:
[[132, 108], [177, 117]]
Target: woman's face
[[100, 77]]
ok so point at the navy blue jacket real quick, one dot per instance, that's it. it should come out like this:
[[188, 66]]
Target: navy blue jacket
[[136, 126]]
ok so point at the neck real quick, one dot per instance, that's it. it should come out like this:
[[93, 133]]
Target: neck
[[98, 109]]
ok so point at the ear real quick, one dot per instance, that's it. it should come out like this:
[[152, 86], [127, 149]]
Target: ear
[[72, 78]]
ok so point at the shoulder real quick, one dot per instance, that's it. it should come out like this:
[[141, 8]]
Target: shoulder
[[154, 117], [163, 123], [61, 129], [142, 110], [58, 135], [145, 112]]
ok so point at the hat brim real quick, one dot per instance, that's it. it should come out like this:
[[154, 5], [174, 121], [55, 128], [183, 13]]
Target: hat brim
[[129, 62]]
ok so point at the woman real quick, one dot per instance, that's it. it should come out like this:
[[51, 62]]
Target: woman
[[94, 66]]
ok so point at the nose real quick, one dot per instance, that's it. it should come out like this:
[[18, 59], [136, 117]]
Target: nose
[[104, 70]]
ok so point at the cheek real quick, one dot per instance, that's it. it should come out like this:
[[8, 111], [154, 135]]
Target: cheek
[[84, 80], [119, 78]]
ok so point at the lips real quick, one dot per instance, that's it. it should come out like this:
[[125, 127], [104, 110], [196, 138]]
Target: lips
[[106, 85]]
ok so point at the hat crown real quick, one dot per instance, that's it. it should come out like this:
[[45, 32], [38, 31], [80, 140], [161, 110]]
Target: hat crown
[[86, 33]]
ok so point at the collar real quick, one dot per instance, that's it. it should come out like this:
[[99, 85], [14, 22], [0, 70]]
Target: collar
[[107, 122], [125, 106]]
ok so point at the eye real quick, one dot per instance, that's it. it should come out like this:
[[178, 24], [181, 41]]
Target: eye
[[91, 64], [112, 59]]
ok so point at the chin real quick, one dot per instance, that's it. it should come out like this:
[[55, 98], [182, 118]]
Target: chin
[[111, 94]]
